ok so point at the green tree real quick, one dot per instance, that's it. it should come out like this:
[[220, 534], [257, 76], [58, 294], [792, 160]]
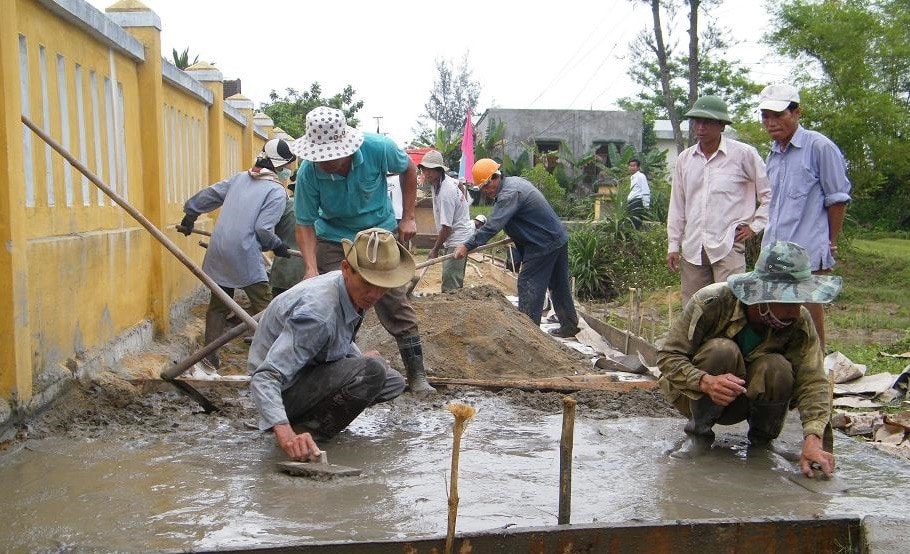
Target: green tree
[[454, 92], [704, 69], [854, 60], [289, 111]]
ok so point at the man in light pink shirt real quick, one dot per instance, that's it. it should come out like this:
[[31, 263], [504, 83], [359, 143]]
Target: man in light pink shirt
[[719, 200]]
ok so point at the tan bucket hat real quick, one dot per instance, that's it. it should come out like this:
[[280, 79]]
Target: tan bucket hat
[[379, 258], [433, 160], [328, 136]]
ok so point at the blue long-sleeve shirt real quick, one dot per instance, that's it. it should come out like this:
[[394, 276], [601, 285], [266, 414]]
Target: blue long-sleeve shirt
[[251, 206], [312, 323], [525, 215], [806, 178]]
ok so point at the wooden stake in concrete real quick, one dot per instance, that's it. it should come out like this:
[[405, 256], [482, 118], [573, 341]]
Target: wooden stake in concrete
[[462, 413], [565, 460], [629, 319]]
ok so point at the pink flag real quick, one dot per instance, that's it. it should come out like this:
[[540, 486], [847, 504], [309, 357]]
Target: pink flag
[[467, 151]]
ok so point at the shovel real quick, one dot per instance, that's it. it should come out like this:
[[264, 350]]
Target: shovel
[[425, 265]]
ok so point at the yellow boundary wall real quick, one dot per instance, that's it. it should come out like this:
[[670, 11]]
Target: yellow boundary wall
[[82, 283]]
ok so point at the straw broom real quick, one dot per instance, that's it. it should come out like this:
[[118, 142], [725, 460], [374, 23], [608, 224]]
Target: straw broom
[[462, 413]]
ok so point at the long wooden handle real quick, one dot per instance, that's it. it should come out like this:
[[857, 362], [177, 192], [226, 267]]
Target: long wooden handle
[[161, 237], [433, 261]]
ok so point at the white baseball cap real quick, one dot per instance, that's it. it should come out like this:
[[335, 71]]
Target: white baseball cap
[[777, 97]]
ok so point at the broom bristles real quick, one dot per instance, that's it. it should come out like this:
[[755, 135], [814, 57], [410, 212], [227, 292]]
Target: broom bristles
[[462, 412]]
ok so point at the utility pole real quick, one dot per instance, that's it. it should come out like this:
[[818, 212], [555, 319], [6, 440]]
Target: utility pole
[[378, 119]]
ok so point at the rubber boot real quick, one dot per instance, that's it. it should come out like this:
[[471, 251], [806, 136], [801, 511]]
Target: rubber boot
[[699, 428], [412, 356], [766, 420]]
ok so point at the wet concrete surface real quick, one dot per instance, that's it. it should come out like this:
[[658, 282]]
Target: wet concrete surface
[[211, 483]]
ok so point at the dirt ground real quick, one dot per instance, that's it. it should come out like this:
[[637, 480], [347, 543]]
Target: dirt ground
[[472, 333]]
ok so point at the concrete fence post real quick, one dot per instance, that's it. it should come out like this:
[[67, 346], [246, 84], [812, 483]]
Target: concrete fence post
[[211, 79], [15, 328], [145, 26], [247, 149]]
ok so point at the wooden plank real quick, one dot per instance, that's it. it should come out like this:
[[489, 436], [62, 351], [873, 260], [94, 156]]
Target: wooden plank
[[740, 536], [554, 384]]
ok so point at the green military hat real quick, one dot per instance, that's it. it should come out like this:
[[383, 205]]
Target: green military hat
[[782, 275], [710, 107]]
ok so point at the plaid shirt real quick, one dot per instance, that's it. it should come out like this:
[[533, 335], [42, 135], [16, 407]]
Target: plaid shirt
[[714, 312]]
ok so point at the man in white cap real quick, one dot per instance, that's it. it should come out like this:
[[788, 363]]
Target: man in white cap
[[251, 203], [809, 186], [306, 372], [747, 350], [342, 190], [452, 217], [719, 200]]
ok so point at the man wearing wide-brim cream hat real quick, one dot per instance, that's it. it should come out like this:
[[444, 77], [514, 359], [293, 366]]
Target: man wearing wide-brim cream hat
[[341, 190], [747, 350], [308, 378]]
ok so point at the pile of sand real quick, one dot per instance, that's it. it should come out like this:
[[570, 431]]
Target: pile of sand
[[476, 333]]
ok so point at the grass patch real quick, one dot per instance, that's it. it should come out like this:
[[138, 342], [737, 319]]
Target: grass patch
[[871, 314]]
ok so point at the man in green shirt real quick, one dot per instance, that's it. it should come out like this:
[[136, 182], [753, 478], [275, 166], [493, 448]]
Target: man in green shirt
[[747, 350]]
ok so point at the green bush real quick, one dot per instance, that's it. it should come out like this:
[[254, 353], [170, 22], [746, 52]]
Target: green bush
[[606, 259]]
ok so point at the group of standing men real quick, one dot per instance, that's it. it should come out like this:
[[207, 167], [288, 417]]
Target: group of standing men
[[744, 348]]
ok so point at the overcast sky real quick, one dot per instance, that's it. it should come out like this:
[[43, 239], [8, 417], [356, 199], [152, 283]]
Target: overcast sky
[[564, 54]]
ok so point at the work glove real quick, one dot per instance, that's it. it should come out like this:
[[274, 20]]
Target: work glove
[[282, 251], [186, 224]]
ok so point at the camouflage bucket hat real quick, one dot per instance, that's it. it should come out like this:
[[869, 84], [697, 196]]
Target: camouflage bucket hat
[[782, 275]]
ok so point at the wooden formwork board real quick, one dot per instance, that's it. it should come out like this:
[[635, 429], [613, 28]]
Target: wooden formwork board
[[759, 536]]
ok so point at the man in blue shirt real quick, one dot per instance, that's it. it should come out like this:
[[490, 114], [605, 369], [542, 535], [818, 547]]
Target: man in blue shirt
[[809, 186], [341, 190], [525, 215], [305, 369]]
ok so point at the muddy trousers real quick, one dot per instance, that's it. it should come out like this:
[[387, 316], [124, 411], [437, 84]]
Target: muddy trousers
[[769, 385], [216, 315], [394, 312], [327, 397], [453, 272], [537, 275]]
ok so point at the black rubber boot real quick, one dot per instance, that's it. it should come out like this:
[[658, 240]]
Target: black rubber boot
[[766, 420], [699, 428], [412, 356]]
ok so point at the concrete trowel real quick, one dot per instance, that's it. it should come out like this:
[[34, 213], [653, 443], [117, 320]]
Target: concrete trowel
[[319, 469]]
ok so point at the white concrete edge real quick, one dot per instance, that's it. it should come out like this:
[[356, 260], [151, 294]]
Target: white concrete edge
[[234, 114], [263, 120], [98, 25], [240, 103], [146, 18], [171, 74], [260, 132]]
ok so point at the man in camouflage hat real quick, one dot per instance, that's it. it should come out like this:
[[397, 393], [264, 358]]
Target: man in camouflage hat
[[747, 350]]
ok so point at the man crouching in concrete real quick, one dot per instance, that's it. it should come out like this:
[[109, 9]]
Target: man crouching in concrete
[[305, 369], [747, 350]]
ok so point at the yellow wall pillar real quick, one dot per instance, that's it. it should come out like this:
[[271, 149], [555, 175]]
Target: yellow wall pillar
[[245, 106], [145, 26], [15, 359], [265, 124], [211, 79]]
